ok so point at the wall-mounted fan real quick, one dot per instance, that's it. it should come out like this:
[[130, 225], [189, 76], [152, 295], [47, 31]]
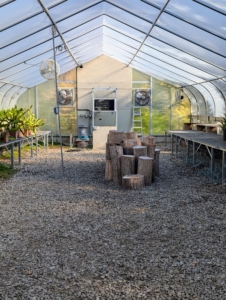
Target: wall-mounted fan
[[142, 97], [65, 96], [178, 96], [47, 69]]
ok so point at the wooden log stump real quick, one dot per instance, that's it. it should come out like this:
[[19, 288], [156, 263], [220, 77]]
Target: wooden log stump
[[108, 155], [139, 151], [133, 181], [156, 162], [108, 170], [127, 150], [148, 140], [116, 170], [127, 164], [115, 151], [150, 150], [115, 137], [130, 135], [145, 165], [129, 143]]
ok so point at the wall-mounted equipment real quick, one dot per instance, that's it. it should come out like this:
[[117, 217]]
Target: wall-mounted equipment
[[142, 97], [65, 96], [83, 132], [104, 108], [178, 96]]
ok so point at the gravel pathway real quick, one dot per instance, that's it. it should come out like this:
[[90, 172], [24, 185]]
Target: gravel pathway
[[80, 237]]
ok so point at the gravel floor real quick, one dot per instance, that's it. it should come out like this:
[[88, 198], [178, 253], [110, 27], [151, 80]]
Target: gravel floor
[[80, 237]]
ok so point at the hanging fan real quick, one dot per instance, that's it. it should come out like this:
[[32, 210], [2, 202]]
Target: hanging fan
[[47, 69], [65, 97], [142, 97]]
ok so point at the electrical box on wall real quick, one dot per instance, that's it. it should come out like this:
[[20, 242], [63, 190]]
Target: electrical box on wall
[[104, 118]]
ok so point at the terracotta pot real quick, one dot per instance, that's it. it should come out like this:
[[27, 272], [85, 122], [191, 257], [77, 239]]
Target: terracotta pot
[[14, 133], [4, 137], [20, 134]]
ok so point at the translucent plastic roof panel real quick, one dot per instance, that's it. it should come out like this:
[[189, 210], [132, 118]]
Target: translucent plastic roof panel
[[210, 104], [120, 37], [4, 89], [199, 15], [193, 33], [8, 95], [189, 47], [86, 45], [201, 104], [193, 101], [217, 96], [113, 42], [221, 85], [117, 50], [86, 37], [185, 57], [15, 97], [218, 5]]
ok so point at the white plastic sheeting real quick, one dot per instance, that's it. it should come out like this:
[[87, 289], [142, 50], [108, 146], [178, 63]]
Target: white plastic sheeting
[[185, 47]]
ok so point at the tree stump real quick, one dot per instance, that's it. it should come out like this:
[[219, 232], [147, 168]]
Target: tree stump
[[127, 150], [133, 181], [156, 163], [115, 137], [145, 165], [108, 170], [129, 143], [115, 151], [108, 155], [130, 135], [127, 164], [116, 170], [139, 151], [151, 151], [148, 140]]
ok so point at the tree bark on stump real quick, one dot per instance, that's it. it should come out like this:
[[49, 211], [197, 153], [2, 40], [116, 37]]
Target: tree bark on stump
[[108, 170], [115, 151], [139, 151], [145, 165], [127, 150], [129, 143], [133, 182], [150, 150], [148, 140], [108, 155], [127, 164], [115, 137], [130, 135]]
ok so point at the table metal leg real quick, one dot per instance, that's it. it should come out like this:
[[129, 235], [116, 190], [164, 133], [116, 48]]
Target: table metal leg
[[223, 167], [19, 153], [212, 164], [177, 139], [193, 154], [172, 142], [12, 156]]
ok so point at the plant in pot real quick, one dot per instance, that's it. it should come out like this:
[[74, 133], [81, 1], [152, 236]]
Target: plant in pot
[[13, 118], [29, 124], [4, 134], [223, 126]]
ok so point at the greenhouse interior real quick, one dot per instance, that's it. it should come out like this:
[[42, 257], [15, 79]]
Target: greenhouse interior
[[98, 98]]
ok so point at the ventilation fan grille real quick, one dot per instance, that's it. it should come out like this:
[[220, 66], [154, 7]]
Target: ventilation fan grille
[[47, 69], [142, 97], [66, 96]]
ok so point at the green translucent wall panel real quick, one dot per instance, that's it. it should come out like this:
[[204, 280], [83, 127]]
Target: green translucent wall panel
[[27, 99], [68, 120]]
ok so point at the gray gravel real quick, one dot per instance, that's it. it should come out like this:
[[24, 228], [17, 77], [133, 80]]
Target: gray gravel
[[80, 237]]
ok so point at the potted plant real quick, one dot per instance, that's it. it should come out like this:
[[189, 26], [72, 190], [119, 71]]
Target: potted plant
[[223, 126], [12, 119], [29, 124]]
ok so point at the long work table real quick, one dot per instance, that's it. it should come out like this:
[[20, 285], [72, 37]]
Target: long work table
[[194, 140], [31, 139]]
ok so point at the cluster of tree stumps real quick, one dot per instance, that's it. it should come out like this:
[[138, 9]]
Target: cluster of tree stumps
[[130, 161]]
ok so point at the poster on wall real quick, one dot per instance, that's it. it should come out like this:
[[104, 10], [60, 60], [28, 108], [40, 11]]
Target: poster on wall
[[66, 97]]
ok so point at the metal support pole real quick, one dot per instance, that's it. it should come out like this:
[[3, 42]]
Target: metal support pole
[[177, 138], [56, 87], [172, 142]]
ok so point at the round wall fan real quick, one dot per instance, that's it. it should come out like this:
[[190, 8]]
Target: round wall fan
[[65, 97], [47, 69], [142, 97]]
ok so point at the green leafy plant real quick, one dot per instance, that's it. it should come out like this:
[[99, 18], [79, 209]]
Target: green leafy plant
[[30, 122], [12, 118]]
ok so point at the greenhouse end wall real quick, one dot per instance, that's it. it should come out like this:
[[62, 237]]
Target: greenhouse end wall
[[162, 114]]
